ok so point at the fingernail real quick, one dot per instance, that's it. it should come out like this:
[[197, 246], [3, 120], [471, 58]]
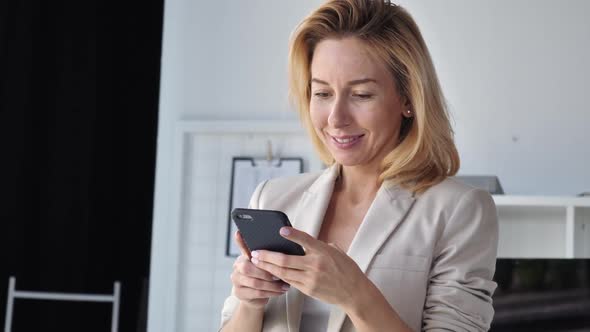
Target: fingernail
[[275, 278], [254, 253], [285, 231], [254, 260], [285, 287]]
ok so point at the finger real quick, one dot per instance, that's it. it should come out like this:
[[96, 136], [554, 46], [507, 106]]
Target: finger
[[242, 244], [305, 240], [280, 259], [247, 293], [284, 273], [254, 283], [240, 261], [247, 268]]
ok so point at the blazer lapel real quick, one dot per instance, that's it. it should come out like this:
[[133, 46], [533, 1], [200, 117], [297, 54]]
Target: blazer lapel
[[309, 218], [389, 208]]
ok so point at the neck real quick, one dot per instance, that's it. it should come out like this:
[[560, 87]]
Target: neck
[[358, 184]]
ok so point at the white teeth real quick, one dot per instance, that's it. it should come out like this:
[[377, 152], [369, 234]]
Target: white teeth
[[345, 140]]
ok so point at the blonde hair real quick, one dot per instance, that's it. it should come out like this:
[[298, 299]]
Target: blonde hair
[[426, 153]]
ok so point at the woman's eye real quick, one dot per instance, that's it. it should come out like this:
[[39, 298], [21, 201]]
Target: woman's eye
[[363, 95], [321, 94]]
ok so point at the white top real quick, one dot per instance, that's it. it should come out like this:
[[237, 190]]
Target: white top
[[315, 314]]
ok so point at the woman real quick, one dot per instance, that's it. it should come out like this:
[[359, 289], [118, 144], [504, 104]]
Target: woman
[[392, 243]]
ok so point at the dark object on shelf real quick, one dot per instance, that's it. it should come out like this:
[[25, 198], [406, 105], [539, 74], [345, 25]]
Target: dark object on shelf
[[490, 183]]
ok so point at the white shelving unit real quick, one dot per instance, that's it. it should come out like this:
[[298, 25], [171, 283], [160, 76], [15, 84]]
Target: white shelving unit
[[543, 226]]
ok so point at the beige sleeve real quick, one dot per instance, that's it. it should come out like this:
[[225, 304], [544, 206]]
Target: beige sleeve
[[459, 296], [231, 302]]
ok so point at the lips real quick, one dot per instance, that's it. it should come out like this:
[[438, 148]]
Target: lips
[[347, 141]]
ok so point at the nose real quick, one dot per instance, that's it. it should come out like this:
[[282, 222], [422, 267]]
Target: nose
[[339, 114]]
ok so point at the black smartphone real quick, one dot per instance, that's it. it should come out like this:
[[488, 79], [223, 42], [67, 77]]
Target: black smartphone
[[260, 230]]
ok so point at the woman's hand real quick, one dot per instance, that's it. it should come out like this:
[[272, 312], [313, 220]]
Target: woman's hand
[[252, 285], [325, 272]]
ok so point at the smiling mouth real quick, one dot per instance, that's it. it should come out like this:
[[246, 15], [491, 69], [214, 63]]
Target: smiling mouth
[[346, 140]]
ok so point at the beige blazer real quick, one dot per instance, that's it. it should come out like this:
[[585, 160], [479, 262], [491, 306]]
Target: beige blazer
[[432, 256]]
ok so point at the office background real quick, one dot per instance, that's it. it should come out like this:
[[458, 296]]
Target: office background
[[79, 109]]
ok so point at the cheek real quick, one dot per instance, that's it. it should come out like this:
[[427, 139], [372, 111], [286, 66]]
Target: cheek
[[389, 125], [385, 124], [318, 117], [389, 119]]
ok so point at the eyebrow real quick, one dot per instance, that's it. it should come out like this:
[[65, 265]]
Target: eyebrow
[[353, 82]]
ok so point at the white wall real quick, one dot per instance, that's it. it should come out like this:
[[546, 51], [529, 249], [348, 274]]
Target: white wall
[[229, 58], [516, 76], [514, 72]]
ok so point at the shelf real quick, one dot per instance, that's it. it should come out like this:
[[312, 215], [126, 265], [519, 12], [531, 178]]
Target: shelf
[[543, 226], [517, 200]]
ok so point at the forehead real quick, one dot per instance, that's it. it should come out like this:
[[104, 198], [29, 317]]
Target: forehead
[[335, 60]]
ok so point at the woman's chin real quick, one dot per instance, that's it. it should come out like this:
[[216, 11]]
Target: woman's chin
[[347, 161]]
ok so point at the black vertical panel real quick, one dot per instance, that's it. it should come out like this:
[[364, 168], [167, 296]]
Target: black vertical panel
[[78, 116]]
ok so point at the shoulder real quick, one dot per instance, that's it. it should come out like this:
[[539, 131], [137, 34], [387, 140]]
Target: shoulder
[[454, 202], [461, 210], [451, 192]]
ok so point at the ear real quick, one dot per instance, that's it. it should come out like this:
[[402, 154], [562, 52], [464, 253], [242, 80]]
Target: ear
[[407, 110]]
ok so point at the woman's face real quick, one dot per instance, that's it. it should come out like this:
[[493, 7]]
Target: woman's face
[[355, 108]]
